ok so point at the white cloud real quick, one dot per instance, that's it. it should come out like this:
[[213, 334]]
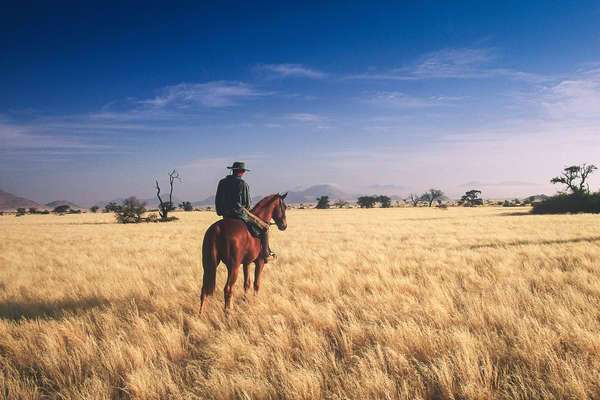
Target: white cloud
[[400, 100], [211, 94], [303, 117], [14, 137], [293, 70], [459, 63], [577, 98]]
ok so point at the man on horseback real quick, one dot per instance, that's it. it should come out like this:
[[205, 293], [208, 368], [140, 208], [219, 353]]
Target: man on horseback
[[233, 201]]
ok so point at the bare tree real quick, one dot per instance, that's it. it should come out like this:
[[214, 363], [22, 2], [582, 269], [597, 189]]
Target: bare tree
[[414, 199], [574, 177], [165, 206]]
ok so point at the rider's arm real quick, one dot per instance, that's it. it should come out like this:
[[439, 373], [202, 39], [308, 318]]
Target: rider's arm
[[219, 199]]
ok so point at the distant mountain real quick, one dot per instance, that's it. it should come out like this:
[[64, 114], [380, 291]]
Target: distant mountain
[[309, 195], [57, 203], [209, 201], [9, 201], [537, 197]]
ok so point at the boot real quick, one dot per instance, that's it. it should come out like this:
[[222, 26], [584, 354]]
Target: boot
[[267, 254]]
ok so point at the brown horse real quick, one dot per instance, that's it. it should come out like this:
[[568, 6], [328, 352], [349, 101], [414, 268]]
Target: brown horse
[[229, 240]]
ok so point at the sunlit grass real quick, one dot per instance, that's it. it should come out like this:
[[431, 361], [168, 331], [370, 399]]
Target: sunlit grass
[[380, 303]]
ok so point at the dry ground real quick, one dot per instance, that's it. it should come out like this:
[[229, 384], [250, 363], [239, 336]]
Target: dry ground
[[381, 303]]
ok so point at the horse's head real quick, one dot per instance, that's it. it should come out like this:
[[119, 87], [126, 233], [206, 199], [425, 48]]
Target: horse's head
[[279, 211]]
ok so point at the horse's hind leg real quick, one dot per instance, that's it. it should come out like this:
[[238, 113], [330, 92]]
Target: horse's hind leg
[[246, 279], [231, 278], [258, 267]]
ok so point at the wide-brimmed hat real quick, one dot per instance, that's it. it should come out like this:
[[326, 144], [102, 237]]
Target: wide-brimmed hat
[[238, 165]]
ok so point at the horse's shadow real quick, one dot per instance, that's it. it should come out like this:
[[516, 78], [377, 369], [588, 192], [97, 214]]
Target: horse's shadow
[[17, 310]]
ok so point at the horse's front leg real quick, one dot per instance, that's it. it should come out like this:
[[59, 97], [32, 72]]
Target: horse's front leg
[[232, 274], [258, 267], [246, 279]]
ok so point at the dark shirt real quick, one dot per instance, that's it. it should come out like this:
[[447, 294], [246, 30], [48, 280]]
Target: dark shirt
[[233, 194]]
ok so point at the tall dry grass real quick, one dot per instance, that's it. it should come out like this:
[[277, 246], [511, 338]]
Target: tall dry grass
[[380, 303]]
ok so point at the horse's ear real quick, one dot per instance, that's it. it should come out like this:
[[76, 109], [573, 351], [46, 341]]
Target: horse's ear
[[283, 196]]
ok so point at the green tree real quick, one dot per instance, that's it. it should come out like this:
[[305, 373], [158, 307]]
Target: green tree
[[323, 202], [574, 177], [112, 207], [367, 201], [385, 201], [471, 199], [431, 196], [94, 209], [130, 211]]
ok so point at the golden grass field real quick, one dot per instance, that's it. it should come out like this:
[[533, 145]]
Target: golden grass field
[[381, 303]]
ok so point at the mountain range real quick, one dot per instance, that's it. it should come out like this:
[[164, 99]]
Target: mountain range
[[9, 201]]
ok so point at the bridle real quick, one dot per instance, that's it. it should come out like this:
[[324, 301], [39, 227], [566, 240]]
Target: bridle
[[282, 213]]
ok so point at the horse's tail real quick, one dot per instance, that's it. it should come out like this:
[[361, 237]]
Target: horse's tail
[[210, 259]]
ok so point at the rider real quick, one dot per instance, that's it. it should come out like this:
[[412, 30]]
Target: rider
[[233, 201]]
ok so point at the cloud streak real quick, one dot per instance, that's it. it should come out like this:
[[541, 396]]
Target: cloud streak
[[211, 94], [292, 71], [458, 63]]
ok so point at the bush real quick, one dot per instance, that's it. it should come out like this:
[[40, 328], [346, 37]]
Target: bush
[[61, 209], [568, 203], [186, 206], [94, 209], [323, 202], [130, 212], [112, 207]]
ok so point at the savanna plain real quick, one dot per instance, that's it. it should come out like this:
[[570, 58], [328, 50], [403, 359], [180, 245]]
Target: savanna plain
[[412, 303]]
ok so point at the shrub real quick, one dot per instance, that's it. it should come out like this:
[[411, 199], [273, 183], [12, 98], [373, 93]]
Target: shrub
[[186, 206], [94, 208], [568, 203], [130, 211], [323, 202]]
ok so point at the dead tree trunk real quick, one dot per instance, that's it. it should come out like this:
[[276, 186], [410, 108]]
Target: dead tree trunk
[[165, 206]]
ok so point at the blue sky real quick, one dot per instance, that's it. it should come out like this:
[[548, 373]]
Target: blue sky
[[96, 103]]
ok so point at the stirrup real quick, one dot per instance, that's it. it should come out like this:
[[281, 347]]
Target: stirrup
[[270, 257]]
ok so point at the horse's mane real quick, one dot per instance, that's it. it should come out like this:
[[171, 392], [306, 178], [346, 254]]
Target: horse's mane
[[263, 202]]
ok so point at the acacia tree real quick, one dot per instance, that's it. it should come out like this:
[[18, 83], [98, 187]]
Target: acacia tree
[[165, 206], [367, 201], [385, 201], [130, 211], [414, 199], [471, 198], [574, 177], [431, 196]]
